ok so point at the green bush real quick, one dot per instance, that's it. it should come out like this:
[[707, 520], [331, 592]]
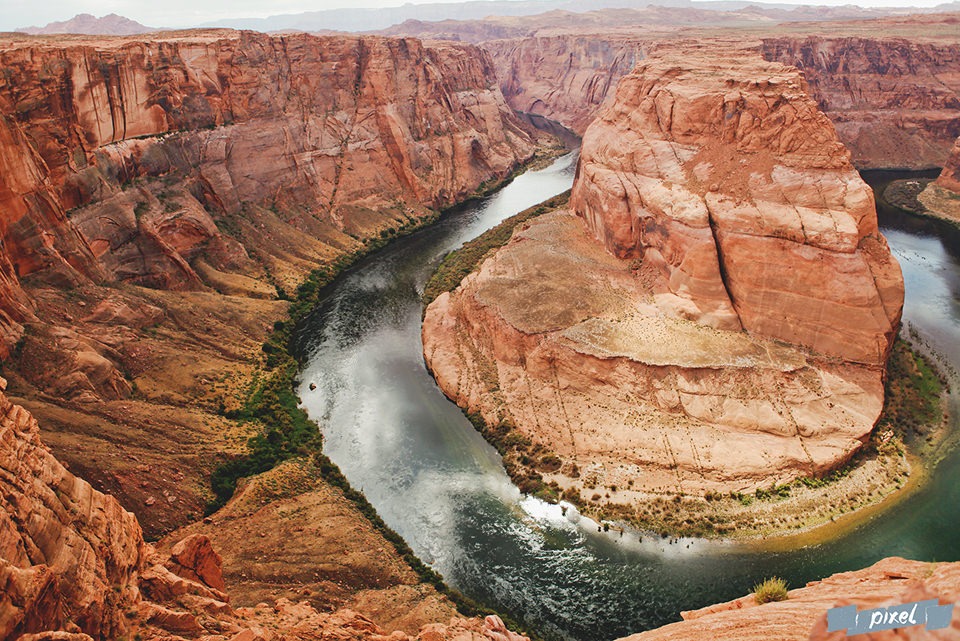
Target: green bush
[[772, 589]]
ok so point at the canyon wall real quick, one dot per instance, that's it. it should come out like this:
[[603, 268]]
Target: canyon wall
[[565, 78], [74, 565], [348, 133], [949, 177], [160, 198], [895, 101], [718, 316], [941, 197]]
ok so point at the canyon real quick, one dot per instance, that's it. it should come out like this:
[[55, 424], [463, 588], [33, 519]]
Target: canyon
[[686, 352], [892, 98], [163, 197]]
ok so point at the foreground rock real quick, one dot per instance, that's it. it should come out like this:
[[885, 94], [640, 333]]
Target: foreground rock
[[728, 331], [73, 565], [892, 581]]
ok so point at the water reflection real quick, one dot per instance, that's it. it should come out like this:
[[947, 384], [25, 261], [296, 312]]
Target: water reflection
[[434, 480]]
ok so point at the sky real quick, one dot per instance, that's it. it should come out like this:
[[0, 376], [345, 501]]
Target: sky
[[177, 13]]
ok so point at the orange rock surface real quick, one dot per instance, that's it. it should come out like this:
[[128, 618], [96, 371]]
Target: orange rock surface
[[892, 90], [340, 135], [892, 581], [724, 179], [950, 174], [729, 329], [161, 196]]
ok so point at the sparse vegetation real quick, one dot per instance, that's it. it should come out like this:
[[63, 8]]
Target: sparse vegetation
[[912, 393], [770, 590], [458, 264]]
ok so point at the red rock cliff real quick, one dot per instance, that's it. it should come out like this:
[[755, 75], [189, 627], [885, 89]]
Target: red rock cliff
[[565, 78], [73, 565], [894, 101], [950, 174], [157, 197], [735, 192], [342, 133]]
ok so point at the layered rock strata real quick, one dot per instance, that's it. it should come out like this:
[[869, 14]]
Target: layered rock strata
[[895, 101], [158, 196], [565, 78], [73, 565], [718, 316]]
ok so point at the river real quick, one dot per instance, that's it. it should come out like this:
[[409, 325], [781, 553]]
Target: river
[[441, 486]]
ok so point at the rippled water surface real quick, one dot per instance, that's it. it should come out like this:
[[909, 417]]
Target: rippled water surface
[[435, 480]]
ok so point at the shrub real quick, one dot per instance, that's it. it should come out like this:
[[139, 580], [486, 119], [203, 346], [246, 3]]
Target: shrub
[[772, 589]]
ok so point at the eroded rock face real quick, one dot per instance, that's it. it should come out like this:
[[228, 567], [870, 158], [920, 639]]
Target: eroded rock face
[[159, 196], [892, 581], [950, 174], [733, 191], [335, 135], [67, 552], [728, 330], [565, 78], [894, 102]]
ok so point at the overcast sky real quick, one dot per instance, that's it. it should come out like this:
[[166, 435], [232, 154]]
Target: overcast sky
[[177, 13]]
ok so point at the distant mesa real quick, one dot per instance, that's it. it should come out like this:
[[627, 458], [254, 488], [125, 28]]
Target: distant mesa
[[84, 23]]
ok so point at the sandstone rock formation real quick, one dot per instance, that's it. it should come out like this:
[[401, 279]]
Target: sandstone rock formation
[[74, 566], [941, 197], [892, 581], [894, 98], [730, 329], [565, 78], [950, 174], [68, 554], [158, 195], [334, 133], [735, 194], [894, 101]]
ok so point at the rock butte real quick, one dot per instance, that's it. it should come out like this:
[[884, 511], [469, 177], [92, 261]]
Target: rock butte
[[730, 328]]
